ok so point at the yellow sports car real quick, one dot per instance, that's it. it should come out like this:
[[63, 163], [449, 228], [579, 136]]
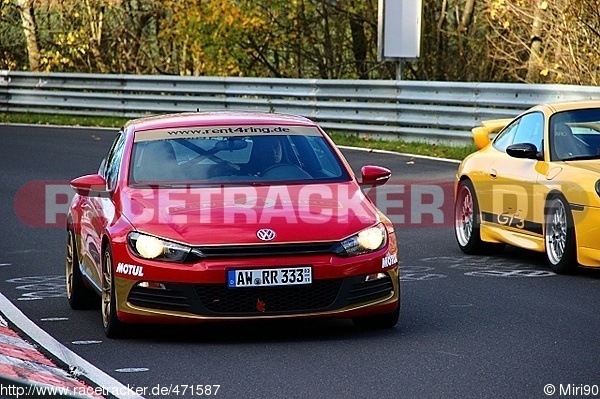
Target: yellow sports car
[[536, 185]]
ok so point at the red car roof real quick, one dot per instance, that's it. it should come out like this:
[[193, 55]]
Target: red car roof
[[210, 118]]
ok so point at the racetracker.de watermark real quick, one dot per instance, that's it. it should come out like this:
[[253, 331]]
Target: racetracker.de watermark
[[20, 390], [44, 204]]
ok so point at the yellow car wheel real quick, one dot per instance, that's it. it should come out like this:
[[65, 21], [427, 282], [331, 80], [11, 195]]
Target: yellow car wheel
[[559, 236], [467, 220]]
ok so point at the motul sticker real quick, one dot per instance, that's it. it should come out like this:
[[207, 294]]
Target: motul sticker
[[389, 260], [132, 270]]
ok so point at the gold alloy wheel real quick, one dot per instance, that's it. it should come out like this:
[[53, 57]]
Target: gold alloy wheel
[[69, 264], [106, 289]]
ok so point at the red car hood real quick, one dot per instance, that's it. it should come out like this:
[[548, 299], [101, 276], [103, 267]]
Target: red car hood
[[233, 215]]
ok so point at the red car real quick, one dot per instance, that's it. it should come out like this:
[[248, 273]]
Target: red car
[[229, 216]]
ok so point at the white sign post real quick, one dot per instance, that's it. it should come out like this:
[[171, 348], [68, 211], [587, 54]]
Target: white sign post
[[399, 31]]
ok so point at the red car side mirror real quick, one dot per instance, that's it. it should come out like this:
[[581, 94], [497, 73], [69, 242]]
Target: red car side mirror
[[374, 175], [89, 185]]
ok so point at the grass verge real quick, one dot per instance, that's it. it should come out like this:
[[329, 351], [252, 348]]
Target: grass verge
[[433, 150], [62, 120], [408, 147]]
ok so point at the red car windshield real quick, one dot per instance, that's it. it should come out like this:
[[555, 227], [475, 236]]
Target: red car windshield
[[233, 159]]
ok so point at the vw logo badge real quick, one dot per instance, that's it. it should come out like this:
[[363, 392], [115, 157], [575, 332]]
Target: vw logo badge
[[265, 234]]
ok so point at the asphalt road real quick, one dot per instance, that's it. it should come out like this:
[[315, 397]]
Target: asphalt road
[[470, 327]]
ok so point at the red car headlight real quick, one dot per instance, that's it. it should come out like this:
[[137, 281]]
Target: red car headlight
[[150, 247], [365, 241]]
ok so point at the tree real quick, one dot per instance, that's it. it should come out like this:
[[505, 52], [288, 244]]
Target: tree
[[546, 41], [536, 41], [13, 51], [27, 12], [453, 45]]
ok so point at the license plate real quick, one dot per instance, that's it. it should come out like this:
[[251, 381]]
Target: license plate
[[269, 277]]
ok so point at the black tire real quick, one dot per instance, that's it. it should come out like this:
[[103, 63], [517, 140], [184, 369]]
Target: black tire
[[113, 327], [467, 220], [79, 295], [559, 236], [378, 321]]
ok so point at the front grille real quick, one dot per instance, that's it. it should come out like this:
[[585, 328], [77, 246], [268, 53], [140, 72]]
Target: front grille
[[369, 290], [168, 299], [219, 300], [291, 299], [268, 249]]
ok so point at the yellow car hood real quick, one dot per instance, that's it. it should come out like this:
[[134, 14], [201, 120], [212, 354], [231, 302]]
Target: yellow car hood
[[592, 165]]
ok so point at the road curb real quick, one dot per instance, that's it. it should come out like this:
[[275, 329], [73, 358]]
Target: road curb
[[43, 356]]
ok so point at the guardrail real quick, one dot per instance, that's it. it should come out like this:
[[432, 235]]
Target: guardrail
[[409, 110]]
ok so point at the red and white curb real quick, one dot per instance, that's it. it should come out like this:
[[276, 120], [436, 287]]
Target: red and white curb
[[21, 360]]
